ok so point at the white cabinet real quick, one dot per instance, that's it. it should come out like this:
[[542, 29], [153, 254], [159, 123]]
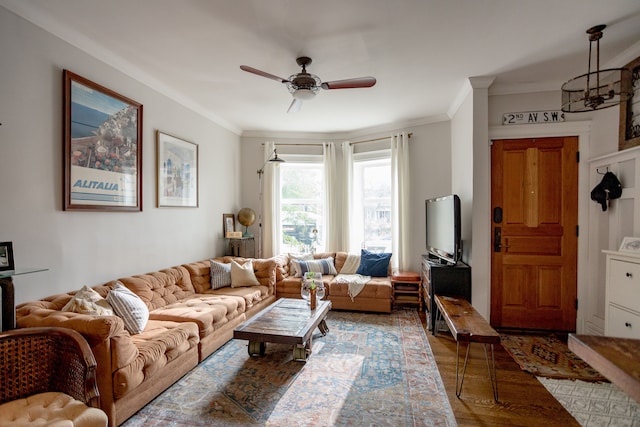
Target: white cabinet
[[622, 302]]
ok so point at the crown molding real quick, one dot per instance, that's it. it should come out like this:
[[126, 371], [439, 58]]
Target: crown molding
[[346, 136], [31, 14]]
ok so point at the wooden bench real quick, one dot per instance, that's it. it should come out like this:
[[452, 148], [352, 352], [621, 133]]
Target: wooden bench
[[467, 325]]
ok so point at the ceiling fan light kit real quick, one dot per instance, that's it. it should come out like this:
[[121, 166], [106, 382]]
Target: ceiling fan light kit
[[304, 86], [597, 89], [304, 94]]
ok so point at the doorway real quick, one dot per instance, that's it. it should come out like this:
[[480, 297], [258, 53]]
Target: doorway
[[534, 218]]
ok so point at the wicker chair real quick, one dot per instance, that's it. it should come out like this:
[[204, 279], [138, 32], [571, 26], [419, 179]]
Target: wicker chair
[[48, 376]]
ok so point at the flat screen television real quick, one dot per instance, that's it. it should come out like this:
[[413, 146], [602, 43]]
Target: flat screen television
[[443, 229]]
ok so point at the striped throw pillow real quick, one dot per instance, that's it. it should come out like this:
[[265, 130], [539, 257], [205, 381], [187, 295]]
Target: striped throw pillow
[[220, 274], [129, 307], [323, 265]]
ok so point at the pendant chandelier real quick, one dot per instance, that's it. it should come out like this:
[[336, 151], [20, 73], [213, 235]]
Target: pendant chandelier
[[597, 89]]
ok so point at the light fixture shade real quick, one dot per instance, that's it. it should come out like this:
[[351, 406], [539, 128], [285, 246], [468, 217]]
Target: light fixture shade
[[276, 159], [597, 89], [304, 94], [607, 92]]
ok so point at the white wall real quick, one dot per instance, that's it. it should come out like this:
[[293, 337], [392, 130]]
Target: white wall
[[430, 148], [91, 248], [470, 171]]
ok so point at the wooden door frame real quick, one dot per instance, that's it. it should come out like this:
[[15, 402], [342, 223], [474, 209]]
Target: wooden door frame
[[582, 130]]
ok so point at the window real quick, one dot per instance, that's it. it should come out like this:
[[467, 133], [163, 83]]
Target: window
[[371, 224], [301, 205]]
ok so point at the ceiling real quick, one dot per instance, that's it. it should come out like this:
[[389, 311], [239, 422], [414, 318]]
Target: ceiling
[[420, 51]]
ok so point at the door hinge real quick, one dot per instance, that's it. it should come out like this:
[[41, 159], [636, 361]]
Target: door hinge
[[576, 303], [577, 157], [577, 231]]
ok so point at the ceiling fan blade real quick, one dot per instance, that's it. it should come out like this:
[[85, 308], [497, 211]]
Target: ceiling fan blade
[[263, 74], [295, 106], [350, 83]]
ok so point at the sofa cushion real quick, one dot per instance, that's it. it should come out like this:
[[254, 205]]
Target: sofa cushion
[[50, 408], [243, 275], [129, 307], [374, 264], [323, 266], [209, 312], [160, 343], [88, 301], [376, 288], [264, 269], [160, 288], [220, 274]]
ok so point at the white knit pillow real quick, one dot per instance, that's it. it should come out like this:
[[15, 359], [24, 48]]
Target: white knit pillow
[[243, 275], [129, 307], [88, 301]]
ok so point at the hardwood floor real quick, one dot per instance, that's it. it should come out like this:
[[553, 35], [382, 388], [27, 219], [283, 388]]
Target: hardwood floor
[[522, 400]]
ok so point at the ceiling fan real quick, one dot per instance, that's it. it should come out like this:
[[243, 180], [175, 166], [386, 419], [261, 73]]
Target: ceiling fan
[[304, 86]]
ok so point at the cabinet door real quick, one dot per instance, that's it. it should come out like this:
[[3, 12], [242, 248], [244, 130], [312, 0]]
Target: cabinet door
[[622, 324], [625, 284]]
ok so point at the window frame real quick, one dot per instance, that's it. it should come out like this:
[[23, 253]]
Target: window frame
[[358, 240], [316, 159]]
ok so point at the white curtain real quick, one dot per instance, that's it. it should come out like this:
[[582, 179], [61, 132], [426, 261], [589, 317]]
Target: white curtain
[[347, 189], [268, 218], [332, 186], [400, 202]]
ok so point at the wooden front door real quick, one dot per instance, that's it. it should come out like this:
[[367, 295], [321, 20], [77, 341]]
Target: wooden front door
[[534, 202]]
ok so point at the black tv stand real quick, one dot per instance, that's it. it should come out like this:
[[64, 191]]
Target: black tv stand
[[453, 280]]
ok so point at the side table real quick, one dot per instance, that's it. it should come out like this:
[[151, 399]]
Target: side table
[[406, 288], [244, 247], [8, 296]]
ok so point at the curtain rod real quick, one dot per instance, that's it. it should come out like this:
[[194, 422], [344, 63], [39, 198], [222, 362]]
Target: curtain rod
[[377, 139], [313, 144], [320, 144]]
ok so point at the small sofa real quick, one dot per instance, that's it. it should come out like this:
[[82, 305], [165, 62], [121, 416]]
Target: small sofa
[[187, 321], [376, 296]]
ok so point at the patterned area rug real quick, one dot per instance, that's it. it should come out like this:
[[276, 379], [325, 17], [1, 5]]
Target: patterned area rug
[[547, 356], [594, 404], [370, 369]]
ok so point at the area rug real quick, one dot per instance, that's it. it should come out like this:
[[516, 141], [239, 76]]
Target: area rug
[[547, 356], [594, 404], [370, 369]]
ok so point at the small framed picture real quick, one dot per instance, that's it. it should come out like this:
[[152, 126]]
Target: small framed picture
[[630, 244], [6, 256], [228, 224]]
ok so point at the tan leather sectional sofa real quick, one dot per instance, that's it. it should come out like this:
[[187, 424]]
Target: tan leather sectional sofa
[[187, 322]]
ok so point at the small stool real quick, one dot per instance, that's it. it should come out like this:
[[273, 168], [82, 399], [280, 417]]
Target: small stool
[[406, 287]]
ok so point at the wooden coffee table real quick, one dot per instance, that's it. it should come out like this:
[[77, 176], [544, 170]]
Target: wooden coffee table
[[287, 321]]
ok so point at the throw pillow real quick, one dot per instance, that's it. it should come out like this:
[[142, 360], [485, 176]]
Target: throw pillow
[[374, 264], [293, 266], [243, 275], [220, 274], [323, 265], [129, 307], [88, 301]]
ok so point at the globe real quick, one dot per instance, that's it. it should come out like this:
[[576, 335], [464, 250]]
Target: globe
[[246, 217]]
